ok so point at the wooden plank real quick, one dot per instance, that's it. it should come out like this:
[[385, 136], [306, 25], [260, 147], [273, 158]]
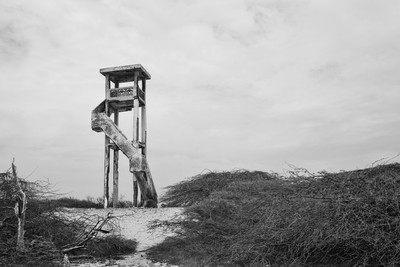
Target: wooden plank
[[123, 91], [122, 106], [103, 122], [125, 71], [121, 98], [121, 68], [115, 166]]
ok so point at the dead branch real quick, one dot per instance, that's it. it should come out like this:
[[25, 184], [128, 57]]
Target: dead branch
[[20, 209], [2, 222], [91, 234], [67, 250]]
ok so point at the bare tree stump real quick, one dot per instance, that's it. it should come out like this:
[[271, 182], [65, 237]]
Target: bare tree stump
[[20, 208]]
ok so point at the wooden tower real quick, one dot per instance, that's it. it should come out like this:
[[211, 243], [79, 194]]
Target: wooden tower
[[121, 99]]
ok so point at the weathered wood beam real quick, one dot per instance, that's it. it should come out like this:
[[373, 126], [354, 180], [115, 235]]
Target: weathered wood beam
[[106, 147], [149, 195], [135, 135], [135, 191], [101, 122], [144, 121], [106, 172], [115, 166], [136, 111]]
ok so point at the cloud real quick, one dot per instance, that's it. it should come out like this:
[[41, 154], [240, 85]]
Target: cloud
[[235, 84]]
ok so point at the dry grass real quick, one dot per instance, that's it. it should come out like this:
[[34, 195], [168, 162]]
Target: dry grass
[[254, 219]]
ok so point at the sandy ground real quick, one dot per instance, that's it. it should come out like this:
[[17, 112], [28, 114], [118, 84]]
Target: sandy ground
[[133, 224]]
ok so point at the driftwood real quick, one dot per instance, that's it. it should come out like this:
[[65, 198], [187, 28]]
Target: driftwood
[[20, 209]]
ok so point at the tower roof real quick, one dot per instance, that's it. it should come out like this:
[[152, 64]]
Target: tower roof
[[125, 73]]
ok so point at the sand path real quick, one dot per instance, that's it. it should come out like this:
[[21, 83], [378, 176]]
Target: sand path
[[133, 224]]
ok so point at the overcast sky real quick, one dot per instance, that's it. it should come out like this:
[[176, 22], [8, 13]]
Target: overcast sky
[[235, 84]]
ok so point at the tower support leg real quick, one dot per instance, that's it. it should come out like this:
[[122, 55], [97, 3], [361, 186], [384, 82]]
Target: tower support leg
[[106, 172], [135, 191], [115, 165], [115, 179]]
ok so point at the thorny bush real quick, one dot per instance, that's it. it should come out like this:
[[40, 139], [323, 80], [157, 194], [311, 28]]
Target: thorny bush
[[254, 219]]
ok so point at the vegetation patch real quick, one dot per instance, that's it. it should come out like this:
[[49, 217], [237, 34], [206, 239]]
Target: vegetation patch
[[70, 202], [111, 247], [246, 218], [37, 230]]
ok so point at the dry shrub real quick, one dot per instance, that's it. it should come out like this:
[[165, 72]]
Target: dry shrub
[[70, 202], [42, 228], [111, 246], [199, 187], [337, 219], [49, 228]]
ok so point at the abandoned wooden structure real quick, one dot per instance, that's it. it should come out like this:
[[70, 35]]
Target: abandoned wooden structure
[[121, 99]]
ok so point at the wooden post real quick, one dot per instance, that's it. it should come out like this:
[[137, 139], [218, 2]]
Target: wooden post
[[144, 131], [106, 150], [115, 160], [106, 172], [135, 136], [144, 122], [135, 191], [136, 111], [143, 128], [115, 166]]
